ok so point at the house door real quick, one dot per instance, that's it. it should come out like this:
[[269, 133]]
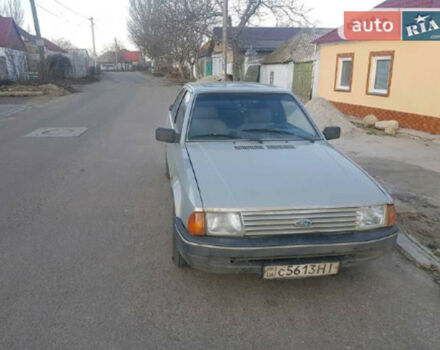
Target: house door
[[208, 69], [302, 80]]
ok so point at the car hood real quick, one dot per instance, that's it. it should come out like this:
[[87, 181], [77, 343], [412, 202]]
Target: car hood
[[234, 175]]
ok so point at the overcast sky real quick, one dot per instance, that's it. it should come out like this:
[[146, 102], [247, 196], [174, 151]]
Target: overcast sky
[[110, 16]]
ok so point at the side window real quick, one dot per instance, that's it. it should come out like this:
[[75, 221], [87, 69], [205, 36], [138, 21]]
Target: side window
[[180, 116], [176, 104], [380, 69], [344, 72]]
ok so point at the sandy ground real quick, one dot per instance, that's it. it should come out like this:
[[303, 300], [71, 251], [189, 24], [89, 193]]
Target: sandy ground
[[409, 168], [407, 165]]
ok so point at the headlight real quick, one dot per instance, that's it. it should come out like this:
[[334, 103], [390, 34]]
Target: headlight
[[373, 216], [224, 224]]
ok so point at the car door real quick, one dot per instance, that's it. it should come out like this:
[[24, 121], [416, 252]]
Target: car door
[[175, 150]]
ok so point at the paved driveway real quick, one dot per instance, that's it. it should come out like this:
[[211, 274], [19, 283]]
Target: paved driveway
[[85, 239]]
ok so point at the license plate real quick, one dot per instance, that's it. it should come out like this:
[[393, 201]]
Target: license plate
[[300, 271]]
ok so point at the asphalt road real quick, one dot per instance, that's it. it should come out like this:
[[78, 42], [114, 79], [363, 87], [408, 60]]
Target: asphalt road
[[85, 241]]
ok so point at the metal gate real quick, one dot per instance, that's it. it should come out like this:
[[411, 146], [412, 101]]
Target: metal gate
[[208, 68], [302, 80]]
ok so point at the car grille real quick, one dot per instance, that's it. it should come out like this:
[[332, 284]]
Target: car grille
[[298, 221]]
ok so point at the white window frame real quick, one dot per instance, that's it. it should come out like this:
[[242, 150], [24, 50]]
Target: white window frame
[[341, 60], [373, 71]]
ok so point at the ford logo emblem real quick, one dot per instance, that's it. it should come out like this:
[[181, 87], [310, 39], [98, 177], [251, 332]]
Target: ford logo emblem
[[304, 223]]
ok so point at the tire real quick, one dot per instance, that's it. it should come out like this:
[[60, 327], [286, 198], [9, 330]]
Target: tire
[[177, 258]]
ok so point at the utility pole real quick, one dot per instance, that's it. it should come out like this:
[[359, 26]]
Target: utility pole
[[39, 41], [92, 26], [225, 39], [116, 54]]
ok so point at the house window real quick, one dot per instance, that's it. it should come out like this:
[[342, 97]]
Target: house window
[[344, 72], [379, 73], [271, 78]]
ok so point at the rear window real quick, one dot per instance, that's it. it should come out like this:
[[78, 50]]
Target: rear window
[[260, 116]]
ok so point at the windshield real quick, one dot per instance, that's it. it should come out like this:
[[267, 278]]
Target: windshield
[[256, 116]]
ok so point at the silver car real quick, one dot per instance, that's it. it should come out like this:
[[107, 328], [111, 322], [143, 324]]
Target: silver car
[[257, 187]]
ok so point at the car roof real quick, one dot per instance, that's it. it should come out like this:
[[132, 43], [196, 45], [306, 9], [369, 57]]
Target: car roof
[[230, 86]]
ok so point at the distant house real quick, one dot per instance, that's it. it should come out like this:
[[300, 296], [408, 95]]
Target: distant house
[[81, 63], [132, 59], [108, 61], [291, 65], [123, 60], [390, 79], [33, 55], [204, 62], [254, 44], [13, 61]]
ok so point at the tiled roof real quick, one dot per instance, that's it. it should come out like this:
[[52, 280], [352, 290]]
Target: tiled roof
[[409, 4], [53, 47], [260, 38], [300, 48], [9, 35], [49, 45], [333, 36], [131, 56], [330, 37]]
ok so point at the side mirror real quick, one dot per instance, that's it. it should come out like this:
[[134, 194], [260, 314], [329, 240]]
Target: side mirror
[[332, 132], [170, 107], [166, 135]]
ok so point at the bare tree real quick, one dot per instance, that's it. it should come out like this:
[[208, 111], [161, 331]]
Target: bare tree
[[112, 48], [186, 25], [171, 31], [13, 8], [64, 43], [145, 27], [245, 12]]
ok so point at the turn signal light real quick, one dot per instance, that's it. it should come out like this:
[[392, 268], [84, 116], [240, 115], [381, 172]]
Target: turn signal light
[[391, 215], [196, 224]]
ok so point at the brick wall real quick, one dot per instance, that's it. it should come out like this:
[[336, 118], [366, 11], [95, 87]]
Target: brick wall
[[406, 120]]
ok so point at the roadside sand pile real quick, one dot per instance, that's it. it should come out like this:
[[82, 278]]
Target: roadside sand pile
[[32, 90], [52, 89], [326, 114]]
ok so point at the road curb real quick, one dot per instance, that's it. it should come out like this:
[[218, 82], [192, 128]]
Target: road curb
[[417, 253]]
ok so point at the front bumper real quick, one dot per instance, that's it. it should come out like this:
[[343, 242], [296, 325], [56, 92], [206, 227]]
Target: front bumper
[[250, 254]]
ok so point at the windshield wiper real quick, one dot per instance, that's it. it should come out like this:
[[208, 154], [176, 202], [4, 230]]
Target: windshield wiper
[[280, 131], [201, 136], [277, 131]]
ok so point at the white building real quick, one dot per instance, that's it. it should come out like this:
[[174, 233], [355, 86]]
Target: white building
[[13, 61], [291, 66], [80, 61]]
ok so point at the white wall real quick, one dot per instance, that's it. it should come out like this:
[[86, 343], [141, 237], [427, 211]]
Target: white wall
[[254, 60], [80, 63], [16, 63], [282, 74], [217, 65], [316, 73]]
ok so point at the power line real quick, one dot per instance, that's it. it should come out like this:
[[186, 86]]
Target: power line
[[49, 12], [70, 9], [57, 16]]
